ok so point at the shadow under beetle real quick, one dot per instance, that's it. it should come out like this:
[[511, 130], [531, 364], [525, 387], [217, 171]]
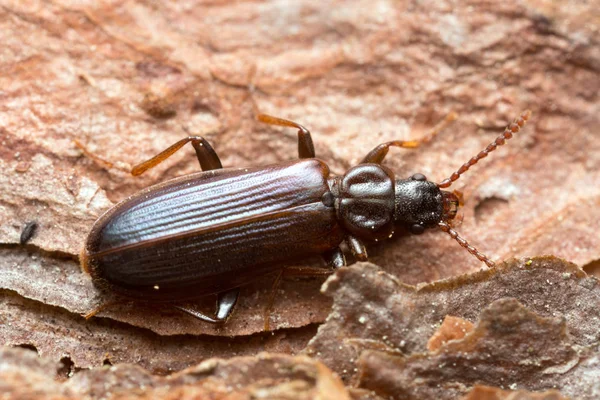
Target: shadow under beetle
[[214, 231]]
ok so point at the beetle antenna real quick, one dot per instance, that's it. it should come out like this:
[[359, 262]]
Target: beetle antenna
[[454, 235], [509, 131]]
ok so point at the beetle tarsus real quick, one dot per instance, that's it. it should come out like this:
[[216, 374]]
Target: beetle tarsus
[[269, 306], [197, 314], [378, 154], [225, 304], [207, 156], [306, 148], [99, 309], [99, 160]]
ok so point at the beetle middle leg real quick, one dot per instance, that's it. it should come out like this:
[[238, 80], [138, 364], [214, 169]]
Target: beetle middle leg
[[335, 258], [207, 156], [225, 304], [269, 306], [306, 148], [377, 155], [98, 309], [286, 273]]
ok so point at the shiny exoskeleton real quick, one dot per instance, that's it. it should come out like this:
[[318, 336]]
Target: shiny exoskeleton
[[214, 231]]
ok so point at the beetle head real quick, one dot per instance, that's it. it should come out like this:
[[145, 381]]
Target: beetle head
[[420, 204]]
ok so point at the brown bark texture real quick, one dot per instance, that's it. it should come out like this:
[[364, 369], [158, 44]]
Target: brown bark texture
[[537, 324], [127, 79]]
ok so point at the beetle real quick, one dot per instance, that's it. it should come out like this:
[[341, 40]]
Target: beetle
[[214, 231]]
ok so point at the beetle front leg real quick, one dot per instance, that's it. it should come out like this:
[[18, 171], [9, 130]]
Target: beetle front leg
[[357, 247], [207, 157], [225, 304], [377, 155], [306, 148]]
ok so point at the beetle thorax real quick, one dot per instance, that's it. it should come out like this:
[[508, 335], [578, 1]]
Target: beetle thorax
[[364, 201]]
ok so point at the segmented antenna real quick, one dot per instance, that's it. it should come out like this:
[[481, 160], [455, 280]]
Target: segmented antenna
[[454, 235], [509, 131]]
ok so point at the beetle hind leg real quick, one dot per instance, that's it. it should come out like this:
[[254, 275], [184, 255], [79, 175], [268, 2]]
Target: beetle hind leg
[[306, 148], [207, 156], [225, 304]]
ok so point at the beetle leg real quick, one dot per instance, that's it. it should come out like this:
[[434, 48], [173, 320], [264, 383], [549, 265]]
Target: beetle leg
[[287, 272], [100, 308], [335, 258], [207, 156], [377, 155], [98, 159], [305, 271], [197, 314], [269, 306], [357, 247], [225, 304], [306, 148]]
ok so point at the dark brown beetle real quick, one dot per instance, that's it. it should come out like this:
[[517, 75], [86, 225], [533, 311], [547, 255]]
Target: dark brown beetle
[[214, 231]]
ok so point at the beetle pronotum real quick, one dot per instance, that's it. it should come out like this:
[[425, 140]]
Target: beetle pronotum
[[213, 231]]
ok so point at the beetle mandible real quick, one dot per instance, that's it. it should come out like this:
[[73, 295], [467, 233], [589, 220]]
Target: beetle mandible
[[213, 231]]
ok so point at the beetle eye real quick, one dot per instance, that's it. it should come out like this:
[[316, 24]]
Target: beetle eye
[[418, 177], [417, 229]]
